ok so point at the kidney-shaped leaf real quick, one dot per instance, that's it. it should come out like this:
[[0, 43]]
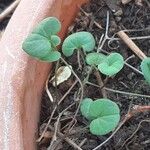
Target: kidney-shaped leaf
[[42, 42], [145, 66], [104, 113], [36, 46], [104, 124], [55, 40], [95, 58], [84, 40], [103, 107], [112, 64], [85, 106], [47, 27]]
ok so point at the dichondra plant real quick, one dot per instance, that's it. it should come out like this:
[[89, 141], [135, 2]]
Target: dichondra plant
[[104, 115], [42, 41], [42, 44], [84, 40], [145, 66], [108, 65]]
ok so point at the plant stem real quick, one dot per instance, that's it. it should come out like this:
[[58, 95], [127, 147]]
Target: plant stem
[[81, 94]]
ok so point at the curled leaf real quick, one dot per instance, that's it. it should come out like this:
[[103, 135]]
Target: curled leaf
[[55, 40], [37, 46], [48, 27], [145, 66], [112, 64], [42, 42], [84, 40], [95, 58], [62, 74]]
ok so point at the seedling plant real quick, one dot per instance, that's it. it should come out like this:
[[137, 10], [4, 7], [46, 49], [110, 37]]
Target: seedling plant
[[42, 43]]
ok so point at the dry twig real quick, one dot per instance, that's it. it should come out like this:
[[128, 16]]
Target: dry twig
[[88, 15], [131, 44], [69, 141], [9, 9], [56, 126], [100, 83], [138, 127], [49, 121]]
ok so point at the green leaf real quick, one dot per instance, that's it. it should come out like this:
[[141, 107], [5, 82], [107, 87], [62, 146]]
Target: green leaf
[[85, 106], [42, 42], [145, 66], [104, 124], [95, 58], [55, 40], [104, 113], [52, 56], [84, 40], [48, 27], [112, 64], [36, 46], [103, 107]]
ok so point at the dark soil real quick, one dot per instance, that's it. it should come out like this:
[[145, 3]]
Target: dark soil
[[3, 5], [132, 16], [122, 17]]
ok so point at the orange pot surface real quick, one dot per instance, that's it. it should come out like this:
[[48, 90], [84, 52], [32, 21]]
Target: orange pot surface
[[21, 77]]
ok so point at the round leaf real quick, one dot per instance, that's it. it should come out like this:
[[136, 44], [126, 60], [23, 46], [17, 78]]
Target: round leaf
[[85, 106], [47, 27], [84, 40], [36, 46], [112, 64], [104, 124], [52, 56], [103, 107], [95, 58], [55, 40], [145, 66]]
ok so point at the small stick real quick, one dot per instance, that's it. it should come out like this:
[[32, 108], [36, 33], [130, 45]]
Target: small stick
[[56, 126], [88, 15], [83, 142], [120, 92], [49, 121], [47, 90], [100, 83], [69, 141], [9, 9], [131, 45], [134, 132]]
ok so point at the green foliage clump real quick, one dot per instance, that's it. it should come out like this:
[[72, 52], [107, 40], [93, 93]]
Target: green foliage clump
[[42, 44], [108, 65], [42, 41], [104, 115], [112, 64], [145, 66], [84, 40]]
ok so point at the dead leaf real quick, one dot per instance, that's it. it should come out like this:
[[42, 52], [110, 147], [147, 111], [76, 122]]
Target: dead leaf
[[62, 74]]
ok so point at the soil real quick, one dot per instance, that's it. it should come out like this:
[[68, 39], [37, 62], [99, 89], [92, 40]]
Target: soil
[[135, 16], [3, 5]]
